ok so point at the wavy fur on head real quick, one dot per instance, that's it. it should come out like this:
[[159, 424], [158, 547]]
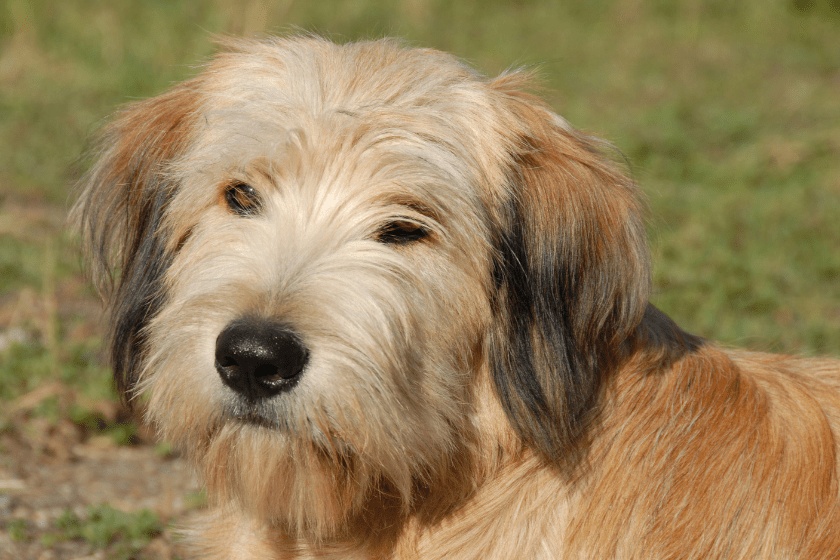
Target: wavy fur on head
[[437, 293]]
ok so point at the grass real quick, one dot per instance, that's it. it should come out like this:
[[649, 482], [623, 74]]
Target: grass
[[120, 535], [729, 113], [102, 527]]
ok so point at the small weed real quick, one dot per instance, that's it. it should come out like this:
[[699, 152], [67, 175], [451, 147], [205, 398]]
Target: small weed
[[164, 450], [121, 433], [48, 540], [124, 534], [18, 529]]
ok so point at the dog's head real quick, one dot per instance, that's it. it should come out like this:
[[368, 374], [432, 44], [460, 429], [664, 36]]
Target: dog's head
[[313, 252]]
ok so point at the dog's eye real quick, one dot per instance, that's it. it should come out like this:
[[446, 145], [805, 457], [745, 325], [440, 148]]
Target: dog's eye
[[399, 232], [242, 199]]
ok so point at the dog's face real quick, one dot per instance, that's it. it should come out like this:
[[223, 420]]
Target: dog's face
[[322, 250]]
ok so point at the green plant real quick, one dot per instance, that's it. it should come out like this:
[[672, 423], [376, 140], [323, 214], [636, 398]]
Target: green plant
[[124, 534], [18, 529]]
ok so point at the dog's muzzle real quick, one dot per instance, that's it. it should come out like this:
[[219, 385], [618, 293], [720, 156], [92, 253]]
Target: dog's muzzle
[[258, 358]]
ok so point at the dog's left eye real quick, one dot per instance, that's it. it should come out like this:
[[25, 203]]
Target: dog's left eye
[[399, 232], [242, 199]]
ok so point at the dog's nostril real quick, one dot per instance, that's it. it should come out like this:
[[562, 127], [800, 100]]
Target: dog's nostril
[[259, 358], [228, 362], [267, 373]]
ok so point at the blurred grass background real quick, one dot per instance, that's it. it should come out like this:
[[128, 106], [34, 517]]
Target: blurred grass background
[[729, 113]]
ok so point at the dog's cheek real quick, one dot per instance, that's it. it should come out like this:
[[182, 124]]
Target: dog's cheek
[[167, 350], [402, 370]]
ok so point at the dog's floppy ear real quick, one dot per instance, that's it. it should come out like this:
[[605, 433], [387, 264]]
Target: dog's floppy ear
[[571, 274], [119, 214]]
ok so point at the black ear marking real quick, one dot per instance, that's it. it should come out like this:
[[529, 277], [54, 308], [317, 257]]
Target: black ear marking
[[120, 213], [544, 381], [139, 296], [571, 278]]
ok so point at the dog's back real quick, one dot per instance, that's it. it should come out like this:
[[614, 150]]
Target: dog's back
[[712, 453]]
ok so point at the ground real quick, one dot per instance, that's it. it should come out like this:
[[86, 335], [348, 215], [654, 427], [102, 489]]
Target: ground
[[56, 479]]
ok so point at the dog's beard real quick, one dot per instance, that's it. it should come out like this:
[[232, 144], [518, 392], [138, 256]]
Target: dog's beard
[[318, 491], [288, 481], [316, 475]]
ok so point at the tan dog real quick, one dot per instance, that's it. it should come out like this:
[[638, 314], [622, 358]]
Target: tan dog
[[391, 308]]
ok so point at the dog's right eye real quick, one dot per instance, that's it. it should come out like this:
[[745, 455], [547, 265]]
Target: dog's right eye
[[242, 199]]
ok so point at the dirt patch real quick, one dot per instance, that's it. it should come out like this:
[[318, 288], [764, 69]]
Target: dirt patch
[[54, 475]]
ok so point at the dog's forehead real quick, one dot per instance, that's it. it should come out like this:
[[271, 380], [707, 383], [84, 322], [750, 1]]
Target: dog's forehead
[[297, 107], [316, 76]]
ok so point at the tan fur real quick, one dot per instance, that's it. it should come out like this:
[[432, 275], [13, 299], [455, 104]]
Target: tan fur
[[498, 387]]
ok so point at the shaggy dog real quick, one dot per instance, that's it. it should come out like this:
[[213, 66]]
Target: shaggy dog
[[391, 308]]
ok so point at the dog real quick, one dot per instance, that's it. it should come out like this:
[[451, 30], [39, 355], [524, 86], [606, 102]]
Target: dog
[[391, 308]]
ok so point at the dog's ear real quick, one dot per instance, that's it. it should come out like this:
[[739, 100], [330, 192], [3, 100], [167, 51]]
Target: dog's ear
[[571, 274], [119, 213]]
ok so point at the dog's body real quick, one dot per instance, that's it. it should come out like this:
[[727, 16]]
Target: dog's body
[[393, 309]]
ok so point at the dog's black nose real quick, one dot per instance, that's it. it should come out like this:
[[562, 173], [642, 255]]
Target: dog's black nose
[[258, 358]]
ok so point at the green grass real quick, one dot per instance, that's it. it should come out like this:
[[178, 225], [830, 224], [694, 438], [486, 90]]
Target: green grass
[[18, 529], [122, 534], [729, 113]]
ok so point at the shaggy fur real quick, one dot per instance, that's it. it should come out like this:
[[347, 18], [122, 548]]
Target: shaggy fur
[[454, 283]]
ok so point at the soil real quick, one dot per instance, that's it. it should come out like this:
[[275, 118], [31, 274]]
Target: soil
[[48, 468]]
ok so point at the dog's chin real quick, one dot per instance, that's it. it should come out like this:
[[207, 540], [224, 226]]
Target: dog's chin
[[254, 460]]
